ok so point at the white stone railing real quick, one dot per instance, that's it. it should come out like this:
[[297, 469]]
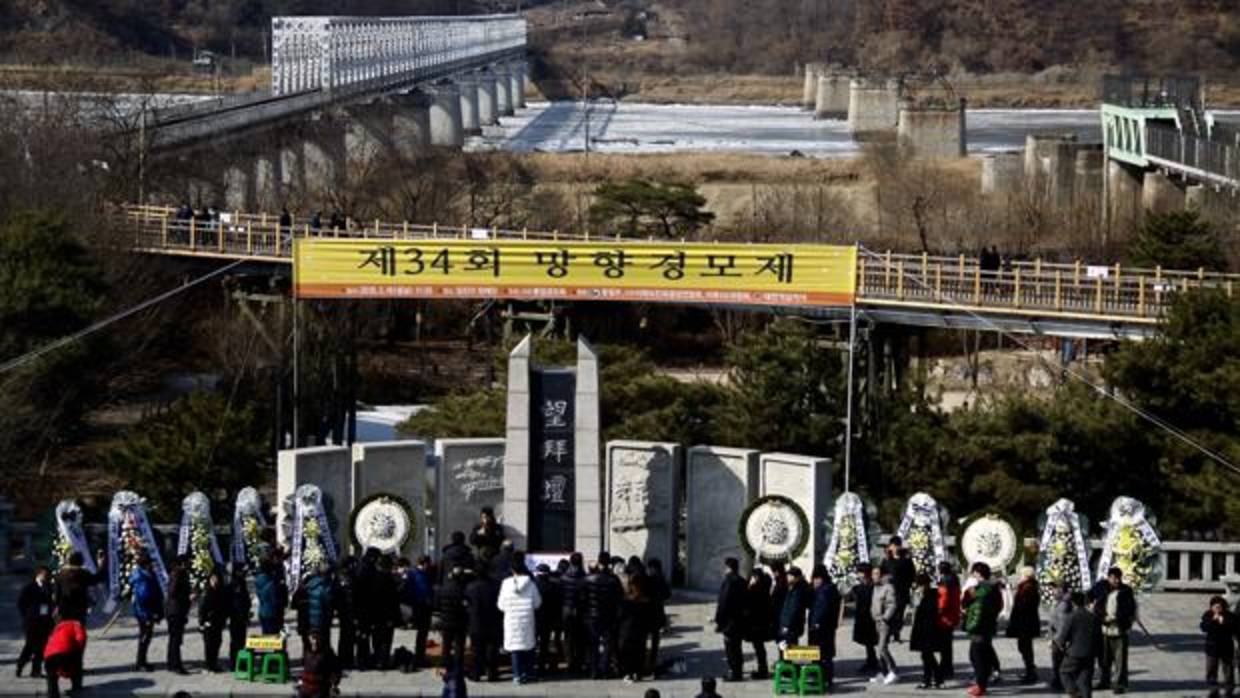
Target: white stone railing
[[312, 53]]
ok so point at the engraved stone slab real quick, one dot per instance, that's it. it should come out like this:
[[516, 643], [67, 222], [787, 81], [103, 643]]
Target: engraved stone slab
[[394, 467], [805, 480], [720, 482], [643, 499], [328, 467], [469, 476]]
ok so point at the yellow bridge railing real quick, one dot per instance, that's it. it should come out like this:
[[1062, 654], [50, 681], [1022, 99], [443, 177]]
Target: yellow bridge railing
[[1023, 288]]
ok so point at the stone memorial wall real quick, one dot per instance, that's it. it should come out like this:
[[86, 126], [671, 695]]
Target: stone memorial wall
[[805, 480], [469, 475], [720, 482], [396, 468], [329, 467], [643, 499]]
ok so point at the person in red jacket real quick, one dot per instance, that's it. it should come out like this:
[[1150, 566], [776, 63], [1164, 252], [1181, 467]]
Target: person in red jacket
[[949, 615], [63, 656]]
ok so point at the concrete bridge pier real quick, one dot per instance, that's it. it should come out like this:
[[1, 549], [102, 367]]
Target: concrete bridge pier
[[292, 168], [411, 124], [1002, 173], [267, 179], [488, 111], [239, 187], [1123, 192], [367, 132], [1050, 167], [831, 96], [934, 132], [873, 106], [503, 91], [468, 85], [1089, 168], [809, 93], [517, 70], [1161, 194], [445, 115], [324, 158]]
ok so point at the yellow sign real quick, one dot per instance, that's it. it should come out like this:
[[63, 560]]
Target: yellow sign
[[801, 653], [265, 643], [721, 274]]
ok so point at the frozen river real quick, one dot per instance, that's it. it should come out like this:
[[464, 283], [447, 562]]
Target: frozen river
[[633, 127]]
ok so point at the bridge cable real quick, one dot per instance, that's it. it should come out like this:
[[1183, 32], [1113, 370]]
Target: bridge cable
[[1101, 390], [30, 356]]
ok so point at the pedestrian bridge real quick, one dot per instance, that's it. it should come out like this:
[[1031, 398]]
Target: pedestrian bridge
[[318, 62], [1077, 299]]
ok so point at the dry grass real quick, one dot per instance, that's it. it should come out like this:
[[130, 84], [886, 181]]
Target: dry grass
[[691, 167]]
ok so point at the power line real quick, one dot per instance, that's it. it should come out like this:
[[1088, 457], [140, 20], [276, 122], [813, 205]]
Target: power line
[[30, 356], [1101, 390]]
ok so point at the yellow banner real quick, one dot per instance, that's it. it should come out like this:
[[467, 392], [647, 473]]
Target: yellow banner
[[724, 274]]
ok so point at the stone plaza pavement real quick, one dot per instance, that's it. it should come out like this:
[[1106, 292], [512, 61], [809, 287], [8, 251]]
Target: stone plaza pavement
[[1173, 667]]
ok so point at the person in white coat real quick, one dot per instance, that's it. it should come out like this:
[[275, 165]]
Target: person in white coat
[[518, 599]]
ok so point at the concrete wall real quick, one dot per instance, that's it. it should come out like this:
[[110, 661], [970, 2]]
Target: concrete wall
[[873, 106], [932, 132], [1050, 167], [1090, 168], [468, 85], [719, 484], [329, 467], [488, 112], [411, 124]]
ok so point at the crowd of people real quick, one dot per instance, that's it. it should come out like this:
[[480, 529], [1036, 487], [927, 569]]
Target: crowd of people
[[1086, 630], [599, 620]]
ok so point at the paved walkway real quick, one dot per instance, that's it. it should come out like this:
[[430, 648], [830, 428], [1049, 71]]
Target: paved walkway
[[1173, 667]]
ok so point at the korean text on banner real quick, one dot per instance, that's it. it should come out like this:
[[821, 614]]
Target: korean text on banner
[[726, 274]]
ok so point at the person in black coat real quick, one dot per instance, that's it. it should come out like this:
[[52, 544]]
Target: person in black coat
[[451, 618], [239, 604], [779, 592], [1222, 629], [824, 619], [547, 617], [900, 566], [176, 611], [865, 632], [1025, 623], [927, 637], [637, 616], [757, 618], [456, 555], [796, 603], [384, 602], [36, 604], [365, 608], [601, 594], [487, 536], [486, 624], [73, 585], [730, 617], [572, 616], [214, 606], [344, 604], [660, 593]]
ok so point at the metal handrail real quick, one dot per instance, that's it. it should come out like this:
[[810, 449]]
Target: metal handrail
[[1024, 286]]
